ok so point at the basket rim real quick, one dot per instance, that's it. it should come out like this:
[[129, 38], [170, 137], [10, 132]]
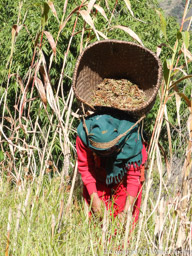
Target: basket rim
[[120, 42]]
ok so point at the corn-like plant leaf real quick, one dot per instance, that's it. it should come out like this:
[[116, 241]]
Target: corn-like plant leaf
[[41, 89], [87, 18], [186, 38], [50, 98], [130, 32], [163, 23], [165, 71], [16, 29], [52, 7], [90, 5], [168, 132], [101, 10], [1, 155], [49, 91], [51, 41], [185, 56], [44, 16], [128, 4]]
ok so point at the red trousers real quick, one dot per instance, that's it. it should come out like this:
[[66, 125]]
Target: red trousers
[[115, 197]]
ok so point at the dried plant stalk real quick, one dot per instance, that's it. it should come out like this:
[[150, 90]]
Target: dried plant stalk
[[181, 236], [72, 188], [187, 164], [8, 232], [105, 226], [127, 228], [53, 226], [17, 220], [173, 235]]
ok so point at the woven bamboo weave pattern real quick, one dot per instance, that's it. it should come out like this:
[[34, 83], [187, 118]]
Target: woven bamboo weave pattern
[[117, 60]]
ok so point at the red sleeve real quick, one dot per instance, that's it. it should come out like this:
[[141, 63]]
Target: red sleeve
[[144, 154], [86, 166]]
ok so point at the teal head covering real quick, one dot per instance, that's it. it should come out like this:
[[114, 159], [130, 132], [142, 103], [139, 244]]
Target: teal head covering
[[118, 139]]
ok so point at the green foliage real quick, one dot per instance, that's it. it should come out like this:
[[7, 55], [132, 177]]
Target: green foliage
[[148, 30], [1, 156]]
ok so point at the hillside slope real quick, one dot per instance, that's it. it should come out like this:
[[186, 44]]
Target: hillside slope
[[175, 8]]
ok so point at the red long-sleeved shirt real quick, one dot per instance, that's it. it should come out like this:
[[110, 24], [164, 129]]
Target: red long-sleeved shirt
[[91, 167]]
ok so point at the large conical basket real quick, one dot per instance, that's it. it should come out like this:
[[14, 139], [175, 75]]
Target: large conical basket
[[117, 59]]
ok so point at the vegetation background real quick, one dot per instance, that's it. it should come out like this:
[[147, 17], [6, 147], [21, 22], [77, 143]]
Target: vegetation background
[[175, 8], [42, 212]]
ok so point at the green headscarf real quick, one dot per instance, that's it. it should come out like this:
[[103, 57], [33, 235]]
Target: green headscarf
[[101, 129]]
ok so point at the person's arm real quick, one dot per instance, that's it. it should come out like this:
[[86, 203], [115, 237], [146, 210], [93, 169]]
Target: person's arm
[[132, 177], [86, 169], [86, 166]]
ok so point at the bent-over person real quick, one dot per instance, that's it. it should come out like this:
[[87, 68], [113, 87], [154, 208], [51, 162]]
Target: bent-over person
[[111, 157]]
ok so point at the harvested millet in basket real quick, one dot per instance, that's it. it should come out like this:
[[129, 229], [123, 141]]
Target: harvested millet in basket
[[118, 93]]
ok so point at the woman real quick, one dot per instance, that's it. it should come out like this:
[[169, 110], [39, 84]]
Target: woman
[[111, 157]]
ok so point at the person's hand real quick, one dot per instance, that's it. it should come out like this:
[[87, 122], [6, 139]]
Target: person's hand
[[97, 205]]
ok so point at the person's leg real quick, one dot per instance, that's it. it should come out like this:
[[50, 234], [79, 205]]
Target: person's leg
[[128, 194], [118, 199]]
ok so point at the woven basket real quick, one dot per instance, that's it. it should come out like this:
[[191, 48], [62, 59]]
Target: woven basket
[[117, 59]]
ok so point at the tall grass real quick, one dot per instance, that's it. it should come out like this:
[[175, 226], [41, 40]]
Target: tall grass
[[42, 212]]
